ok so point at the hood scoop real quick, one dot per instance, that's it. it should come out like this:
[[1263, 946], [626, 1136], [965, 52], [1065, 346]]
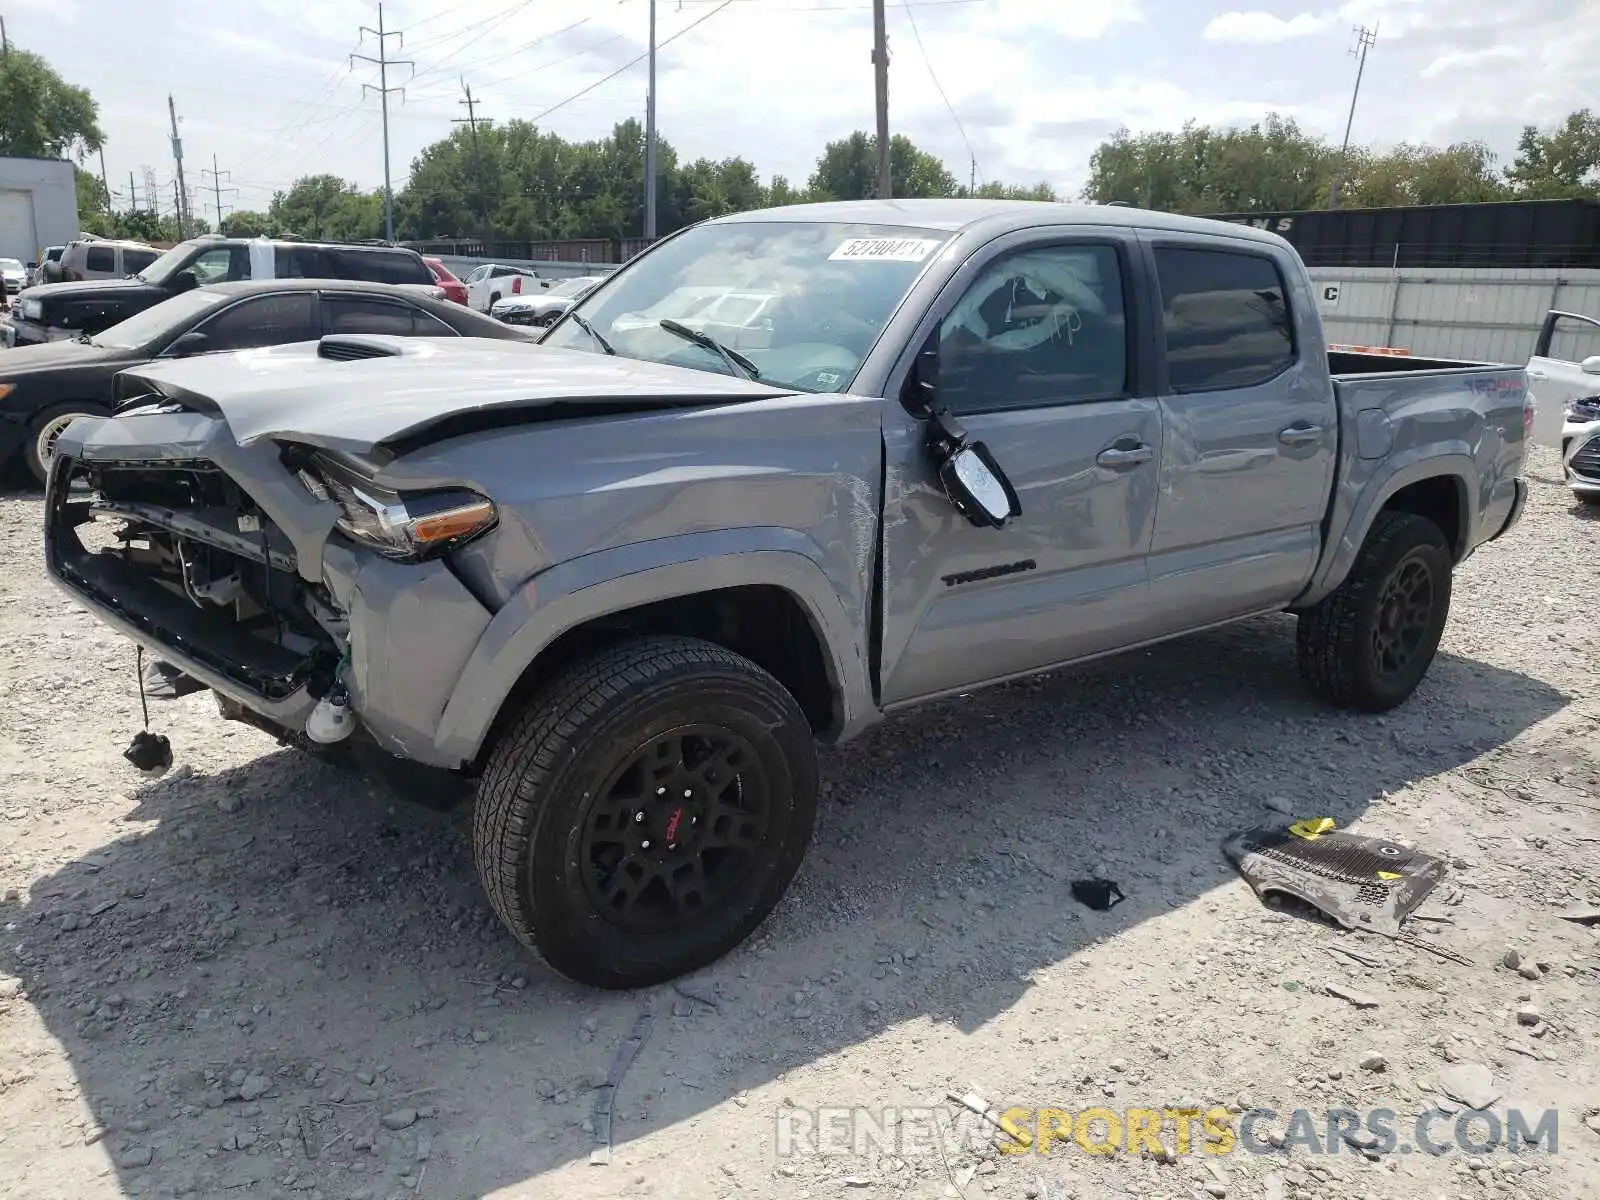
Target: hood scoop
[[346, 347]]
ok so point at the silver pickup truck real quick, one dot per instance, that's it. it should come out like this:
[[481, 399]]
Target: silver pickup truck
[[781, 475]]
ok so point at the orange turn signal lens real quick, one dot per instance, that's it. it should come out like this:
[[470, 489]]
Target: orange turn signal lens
[[452, 523]]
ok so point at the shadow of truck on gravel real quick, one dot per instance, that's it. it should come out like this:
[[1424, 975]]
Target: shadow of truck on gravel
[[283, 976]]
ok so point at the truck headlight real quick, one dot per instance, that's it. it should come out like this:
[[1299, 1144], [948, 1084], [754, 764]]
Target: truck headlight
[[32, 309], [407, 526]]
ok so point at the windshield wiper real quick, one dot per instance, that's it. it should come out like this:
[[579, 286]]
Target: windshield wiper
[[733, 358], [582, 323]]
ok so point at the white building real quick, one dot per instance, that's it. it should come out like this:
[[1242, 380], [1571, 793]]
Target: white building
[[38, 206]]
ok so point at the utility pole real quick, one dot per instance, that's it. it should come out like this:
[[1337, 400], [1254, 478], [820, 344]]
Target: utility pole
[[216, 187], [105, 184], [177, 158], [133, 194], [880, 72], [650, 136], [1364, 39], [383, 62], [5, 42], [471, 120]]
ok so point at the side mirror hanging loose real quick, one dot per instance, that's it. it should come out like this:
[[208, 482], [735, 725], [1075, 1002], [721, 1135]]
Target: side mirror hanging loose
[[978, 487]]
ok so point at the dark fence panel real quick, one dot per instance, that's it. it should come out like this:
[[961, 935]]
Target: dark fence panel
[[1513, 233]]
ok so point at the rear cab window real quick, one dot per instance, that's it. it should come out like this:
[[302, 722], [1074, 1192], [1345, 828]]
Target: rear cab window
[[1225, 318]]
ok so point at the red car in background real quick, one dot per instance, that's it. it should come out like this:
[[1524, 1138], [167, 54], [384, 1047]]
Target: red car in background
[[454, 289]]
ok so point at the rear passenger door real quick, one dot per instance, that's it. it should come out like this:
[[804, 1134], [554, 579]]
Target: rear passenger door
[[1038, 347], [1251, 432]]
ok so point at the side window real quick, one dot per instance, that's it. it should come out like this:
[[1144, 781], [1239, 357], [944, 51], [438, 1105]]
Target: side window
[[134, 261], [100, 258], [478, 273], [1037, 327], [263, 321], [220, 265], [1226, 318], [359, 314], [375, 266], [299, 262]]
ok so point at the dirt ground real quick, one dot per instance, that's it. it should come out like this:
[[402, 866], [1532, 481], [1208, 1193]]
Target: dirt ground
[[263, 977]]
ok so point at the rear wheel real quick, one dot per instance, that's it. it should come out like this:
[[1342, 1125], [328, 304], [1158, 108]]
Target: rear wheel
[[1367, 645], [46, 427], [1592, 499], [646, 810]]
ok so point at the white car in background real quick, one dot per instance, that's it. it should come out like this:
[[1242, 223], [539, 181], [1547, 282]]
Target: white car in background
[[1567, 395], [544, 305], [493, 282], [14, 274]]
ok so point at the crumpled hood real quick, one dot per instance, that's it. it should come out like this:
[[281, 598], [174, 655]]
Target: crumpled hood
[[416, 385]]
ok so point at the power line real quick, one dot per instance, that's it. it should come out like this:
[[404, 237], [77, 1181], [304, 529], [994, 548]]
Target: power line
[[928, 62], [433, 68], [632, 62], [384, 62]]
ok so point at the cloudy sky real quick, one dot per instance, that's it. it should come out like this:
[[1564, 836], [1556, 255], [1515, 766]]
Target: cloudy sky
[[267, 87]]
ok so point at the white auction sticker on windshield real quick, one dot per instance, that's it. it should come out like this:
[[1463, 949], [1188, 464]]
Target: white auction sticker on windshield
[[884, 250]]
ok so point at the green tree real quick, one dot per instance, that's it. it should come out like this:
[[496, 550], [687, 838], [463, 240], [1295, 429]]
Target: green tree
[[848, 170], [325, 206], [1008, 191], [1458, 174], [94, 214], [246, 223], [41, 115], [1561, 164]]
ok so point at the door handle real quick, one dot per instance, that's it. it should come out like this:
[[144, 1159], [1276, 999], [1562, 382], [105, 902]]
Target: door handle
[[1130, 457], [1299, 435], [1537, 375]]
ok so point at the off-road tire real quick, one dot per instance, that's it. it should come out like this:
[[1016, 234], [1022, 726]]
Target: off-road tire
[[37, 467], [546, 768], [1334, 640], [1588, 499]]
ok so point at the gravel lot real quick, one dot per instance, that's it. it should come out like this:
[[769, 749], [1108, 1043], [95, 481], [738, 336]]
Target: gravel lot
[[260, 976]]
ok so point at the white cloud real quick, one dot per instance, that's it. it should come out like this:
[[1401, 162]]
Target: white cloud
[[1470, 59], [1265, 26]]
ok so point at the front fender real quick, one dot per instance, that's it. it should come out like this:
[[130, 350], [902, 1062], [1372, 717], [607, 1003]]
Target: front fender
[[609, 581], [1359, 501]]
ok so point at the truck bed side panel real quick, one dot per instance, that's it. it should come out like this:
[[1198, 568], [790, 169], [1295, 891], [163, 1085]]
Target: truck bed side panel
[[1404, 427]]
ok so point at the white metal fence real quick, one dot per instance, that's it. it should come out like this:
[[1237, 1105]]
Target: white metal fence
[[1482, 313]]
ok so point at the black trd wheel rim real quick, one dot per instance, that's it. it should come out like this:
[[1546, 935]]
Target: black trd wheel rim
[[675, 828], [1405, 611]]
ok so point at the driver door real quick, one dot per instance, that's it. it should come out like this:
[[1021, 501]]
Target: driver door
[[1040, 357]]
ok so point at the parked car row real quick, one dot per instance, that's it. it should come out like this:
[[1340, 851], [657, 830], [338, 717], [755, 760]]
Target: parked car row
[[781, 475], [70, 341]]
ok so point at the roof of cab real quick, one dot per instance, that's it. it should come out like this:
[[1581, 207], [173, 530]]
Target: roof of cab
[[956, 216]]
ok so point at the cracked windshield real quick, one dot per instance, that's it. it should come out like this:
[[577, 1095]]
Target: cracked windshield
[[800, 302]]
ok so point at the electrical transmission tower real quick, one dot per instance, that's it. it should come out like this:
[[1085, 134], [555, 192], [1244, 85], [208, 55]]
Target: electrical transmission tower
[[1364, 40], [383, 62]]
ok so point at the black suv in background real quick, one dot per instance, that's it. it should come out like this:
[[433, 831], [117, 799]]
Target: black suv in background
[[64, 310]]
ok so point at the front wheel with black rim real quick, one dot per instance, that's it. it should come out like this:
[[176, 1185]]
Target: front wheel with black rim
[[1367, 645], [45, 428], [646, 810]]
